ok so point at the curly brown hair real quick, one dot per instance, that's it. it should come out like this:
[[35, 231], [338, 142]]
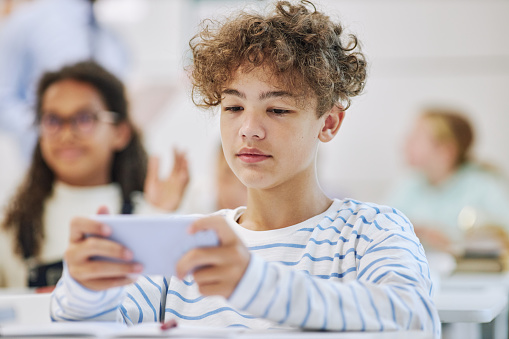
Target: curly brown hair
[[300, 45]]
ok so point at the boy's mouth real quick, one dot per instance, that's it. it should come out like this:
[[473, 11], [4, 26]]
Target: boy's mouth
[[252, 155]]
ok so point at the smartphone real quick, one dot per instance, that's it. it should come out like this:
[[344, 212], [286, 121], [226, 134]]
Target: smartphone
[[157, 241]]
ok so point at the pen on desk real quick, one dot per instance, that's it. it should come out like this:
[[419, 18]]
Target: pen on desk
[[169, 324]]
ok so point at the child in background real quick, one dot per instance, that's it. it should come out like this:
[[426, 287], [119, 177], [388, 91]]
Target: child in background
[[88, 154], [293, 257], [230, 191], [221, 189], [447, 184]]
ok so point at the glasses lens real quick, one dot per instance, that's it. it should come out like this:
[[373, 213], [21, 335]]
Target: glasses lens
[[50, 124], [85, 121]]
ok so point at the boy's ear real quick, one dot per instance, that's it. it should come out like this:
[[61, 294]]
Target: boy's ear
[[123, 133], [332, 122]]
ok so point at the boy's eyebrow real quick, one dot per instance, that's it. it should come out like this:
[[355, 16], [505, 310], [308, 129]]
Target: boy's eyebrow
[[234, 92], [275, 94], [263, 96]]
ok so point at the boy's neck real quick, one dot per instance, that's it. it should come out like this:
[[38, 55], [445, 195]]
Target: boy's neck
[[279, 208]]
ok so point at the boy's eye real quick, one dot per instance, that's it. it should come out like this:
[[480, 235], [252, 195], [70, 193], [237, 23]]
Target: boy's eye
[[234, 108], [279, 111]]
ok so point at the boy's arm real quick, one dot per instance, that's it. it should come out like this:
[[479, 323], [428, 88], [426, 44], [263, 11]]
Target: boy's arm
[[390, 292], [388, 295], [70, 302], [297, 299]]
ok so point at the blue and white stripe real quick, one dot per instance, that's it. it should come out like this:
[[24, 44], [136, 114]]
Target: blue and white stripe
[[357, 266]]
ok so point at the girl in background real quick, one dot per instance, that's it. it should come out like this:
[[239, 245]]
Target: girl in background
[[88, 154], [448, 191]]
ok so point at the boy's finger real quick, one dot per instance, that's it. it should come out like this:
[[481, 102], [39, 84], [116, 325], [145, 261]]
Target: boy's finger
[[80, 227], [219, 225], [211, 274], [204, 257], [94, 246], [107, 270]]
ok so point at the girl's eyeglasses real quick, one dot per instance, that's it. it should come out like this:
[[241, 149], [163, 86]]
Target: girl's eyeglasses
[[82, 123]]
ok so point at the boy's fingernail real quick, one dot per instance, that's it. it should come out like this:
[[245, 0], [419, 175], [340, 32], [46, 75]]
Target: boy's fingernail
[[138, 268]]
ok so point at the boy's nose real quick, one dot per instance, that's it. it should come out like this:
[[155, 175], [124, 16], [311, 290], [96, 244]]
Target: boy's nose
[[252, 126]]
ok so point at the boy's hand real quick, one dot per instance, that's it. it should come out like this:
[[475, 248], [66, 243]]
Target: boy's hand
[[167, 193], [97, 274], [217, 270]]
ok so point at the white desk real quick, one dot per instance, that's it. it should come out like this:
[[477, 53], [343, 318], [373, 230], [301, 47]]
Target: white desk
[[477, 279], [28, 308], [340, 335], [470, 304], [96, 330], [476, 298]]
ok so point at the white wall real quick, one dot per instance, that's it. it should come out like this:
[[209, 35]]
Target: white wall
[[420, 51]]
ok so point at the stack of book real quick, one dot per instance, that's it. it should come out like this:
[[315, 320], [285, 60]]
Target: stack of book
[[486, 250]]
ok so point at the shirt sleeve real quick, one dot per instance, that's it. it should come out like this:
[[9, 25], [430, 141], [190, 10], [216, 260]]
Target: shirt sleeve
[[71, 302], [391, 291]]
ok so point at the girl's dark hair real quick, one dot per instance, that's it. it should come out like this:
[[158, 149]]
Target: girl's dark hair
[[304, 49], [24, 213]]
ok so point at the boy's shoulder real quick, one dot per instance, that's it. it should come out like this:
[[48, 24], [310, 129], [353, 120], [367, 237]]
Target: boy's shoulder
[[370, 217]]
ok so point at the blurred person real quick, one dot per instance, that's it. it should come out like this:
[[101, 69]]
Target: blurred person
[[44, 35], [447, 191], [88, 154], [221, 191], [230, 191]]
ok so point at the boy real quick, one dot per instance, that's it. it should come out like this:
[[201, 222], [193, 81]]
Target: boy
[[292, 257]]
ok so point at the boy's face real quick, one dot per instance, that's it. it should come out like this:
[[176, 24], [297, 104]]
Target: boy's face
[[269, 138]]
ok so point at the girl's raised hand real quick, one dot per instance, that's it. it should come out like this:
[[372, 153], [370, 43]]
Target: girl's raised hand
[[167, 193], [216, 270], [87, 241]]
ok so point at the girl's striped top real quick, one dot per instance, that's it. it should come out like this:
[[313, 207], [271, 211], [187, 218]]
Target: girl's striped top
[[355, 267]]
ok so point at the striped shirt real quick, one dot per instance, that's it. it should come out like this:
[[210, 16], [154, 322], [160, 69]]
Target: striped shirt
[[355, 267]]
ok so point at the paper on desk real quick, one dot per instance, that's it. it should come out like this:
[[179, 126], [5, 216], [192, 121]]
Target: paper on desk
[[70, 329], [114, 330]]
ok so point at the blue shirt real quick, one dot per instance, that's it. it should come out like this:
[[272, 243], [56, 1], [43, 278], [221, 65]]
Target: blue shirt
[[439, 206]]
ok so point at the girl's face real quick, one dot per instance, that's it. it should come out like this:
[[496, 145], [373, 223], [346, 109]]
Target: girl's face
[[269, 140], [422, 149], [78, 137]]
